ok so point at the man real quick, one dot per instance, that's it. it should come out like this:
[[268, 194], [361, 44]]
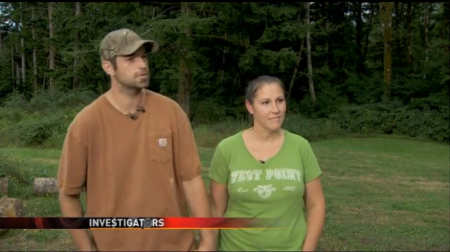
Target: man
[[134, 152]]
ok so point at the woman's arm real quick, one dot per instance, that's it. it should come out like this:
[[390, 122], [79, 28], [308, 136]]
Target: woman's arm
[[218, 198], [218, 191], [315, 205]]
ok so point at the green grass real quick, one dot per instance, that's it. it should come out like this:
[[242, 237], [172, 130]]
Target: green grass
[[382, 194]]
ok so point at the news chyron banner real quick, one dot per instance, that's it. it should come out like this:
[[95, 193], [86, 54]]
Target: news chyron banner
[[134, 223]]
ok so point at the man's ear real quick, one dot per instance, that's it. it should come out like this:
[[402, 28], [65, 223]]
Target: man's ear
[[108, 68]]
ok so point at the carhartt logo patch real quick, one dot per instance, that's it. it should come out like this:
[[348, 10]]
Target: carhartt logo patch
[[162, 142]]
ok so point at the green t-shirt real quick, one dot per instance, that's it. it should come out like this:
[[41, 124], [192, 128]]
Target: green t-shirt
[[274, 189]]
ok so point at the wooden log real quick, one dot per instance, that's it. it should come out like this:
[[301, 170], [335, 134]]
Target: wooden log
[[3, 187], [10, 207], [42, 186]]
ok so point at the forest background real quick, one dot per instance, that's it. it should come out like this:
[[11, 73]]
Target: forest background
[[350, 68]]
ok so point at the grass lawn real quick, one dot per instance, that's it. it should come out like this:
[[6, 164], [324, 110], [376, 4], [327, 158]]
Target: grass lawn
[[382, 194]]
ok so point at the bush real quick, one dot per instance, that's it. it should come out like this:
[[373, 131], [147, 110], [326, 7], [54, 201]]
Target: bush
[[20, 183], [394, 118], [312, 129], [44, 120]]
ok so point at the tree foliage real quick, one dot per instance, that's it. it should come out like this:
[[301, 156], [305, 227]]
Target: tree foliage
[[209, 51]]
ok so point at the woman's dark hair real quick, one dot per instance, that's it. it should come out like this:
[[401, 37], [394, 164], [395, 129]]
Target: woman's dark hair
[[255, 84]]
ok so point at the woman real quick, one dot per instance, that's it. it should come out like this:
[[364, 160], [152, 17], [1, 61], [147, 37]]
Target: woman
[[266, 171]]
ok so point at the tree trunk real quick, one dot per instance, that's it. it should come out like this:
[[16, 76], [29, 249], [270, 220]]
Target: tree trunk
[[327, 36], [386, 24], [395, 29], [76, 47], [426, 20], [42, 186], [23, 61], [185, 82], [369, 28], [359, 31], [12, 68], [222, 74], [446, 11], [308, 53], [18, 79], [1, 46], [22, 45], [221, 71], [409, 33], [294, 75], [33, 31], [51, 55]]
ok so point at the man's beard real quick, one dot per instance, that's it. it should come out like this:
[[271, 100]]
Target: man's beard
[[134, 85]]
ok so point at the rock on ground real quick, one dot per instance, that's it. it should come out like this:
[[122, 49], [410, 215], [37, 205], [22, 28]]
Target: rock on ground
[[10, 207]]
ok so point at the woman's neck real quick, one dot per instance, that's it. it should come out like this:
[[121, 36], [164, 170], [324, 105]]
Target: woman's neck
[[263, 135]]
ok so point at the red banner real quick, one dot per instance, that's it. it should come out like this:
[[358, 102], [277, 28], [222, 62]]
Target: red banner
[[207, 223], [134, 223]]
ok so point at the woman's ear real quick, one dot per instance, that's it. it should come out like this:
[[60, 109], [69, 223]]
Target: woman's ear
[[249, 107]]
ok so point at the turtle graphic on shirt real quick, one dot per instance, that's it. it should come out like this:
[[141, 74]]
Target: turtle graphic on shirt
[[264, 191]]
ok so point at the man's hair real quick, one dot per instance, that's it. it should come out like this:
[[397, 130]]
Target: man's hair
[[113, 62]]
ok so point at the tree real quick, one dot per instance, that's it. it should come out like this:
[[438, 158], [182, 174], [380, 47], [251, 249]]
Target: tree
[[386, 24], [308, 54]]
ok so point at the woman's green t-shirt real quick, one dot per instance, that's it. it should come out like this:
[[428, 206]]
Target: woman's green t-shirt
[[273, 189]]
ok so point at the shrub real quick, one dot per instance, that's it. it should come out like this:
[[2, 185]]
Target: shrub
[[44, 120]]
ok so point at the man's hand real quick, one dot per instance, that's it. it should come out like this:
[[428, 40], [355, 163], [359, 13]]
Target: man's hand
[[209, 246], [197, 199], [71, 207], [206, 247], [88, 248]]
